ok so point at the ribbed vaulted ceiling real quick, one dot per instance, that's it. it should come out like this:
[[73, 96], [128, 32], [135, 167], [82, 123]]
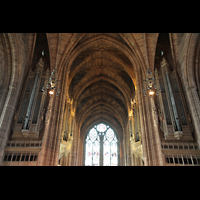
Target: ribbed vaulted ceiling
[[99, 83]]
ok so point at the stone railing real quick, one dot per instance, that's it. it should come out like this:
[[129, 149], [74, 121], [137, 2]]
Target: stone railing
[[24, 143]]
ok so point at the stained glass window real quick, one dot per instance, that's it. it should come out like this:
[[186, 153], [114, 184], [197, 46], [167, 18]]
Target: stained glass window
[[101, 128], [101, 136]]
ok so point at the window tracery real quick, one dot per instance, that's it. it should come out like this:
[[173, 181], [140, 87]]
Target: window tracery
[[101, 147]]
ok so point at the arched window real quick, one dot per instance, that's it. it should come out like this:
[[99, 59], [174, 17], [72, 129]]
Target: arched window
[[101, 147]]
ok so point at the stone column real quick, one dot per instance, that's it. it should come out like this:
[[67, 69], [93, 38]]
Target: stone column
[[141, 104], [44, 154], [194, 105], [127, 145], [133, 159], [58, 132], [149, 128], [150, 132], [136, 161], [157, 139], [73, 151], [81, 152], [74, 147], [124, 147], [6, 118], [72, 126]]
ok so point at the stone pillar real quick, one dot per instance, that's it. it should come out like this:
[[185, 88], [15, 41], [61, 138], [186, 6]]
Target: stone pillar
[[44, 154], [150, 132], [6, 118], [127, 145], [74, 148], [67, 160], [194, 105], [151, 143], [141, 104], [73, 151], [136, 161], [81, 152], [157, 139], [124, 147], [58, 129], [133, 159]]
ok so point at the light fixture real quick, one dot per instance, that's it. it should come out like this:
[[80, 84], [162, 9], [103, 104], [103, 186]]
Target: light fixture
[[52, 84], [150, 84], [50, 92], [151, 92]]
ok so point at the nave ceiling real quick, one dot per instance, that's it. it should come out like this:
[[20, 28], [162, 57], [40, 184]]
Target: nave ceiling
[[101, 70], [100, 83]]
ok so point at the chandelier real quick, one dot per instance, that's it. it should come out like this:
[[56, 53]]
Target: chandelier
[[150, 84], [52, 85]]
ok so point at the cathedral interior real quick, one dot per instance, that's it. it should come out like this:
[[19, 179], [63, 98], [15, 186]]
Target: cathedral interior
[[99, 99]]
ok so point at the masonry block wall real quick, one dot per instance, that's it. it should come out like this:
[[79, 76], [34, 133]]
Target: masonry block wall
[[15, 56]]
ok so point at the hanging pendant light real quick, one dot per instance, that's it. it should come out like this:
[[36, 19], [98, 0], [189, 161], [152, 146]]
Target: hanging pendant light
[[52, 86], [150, 84]]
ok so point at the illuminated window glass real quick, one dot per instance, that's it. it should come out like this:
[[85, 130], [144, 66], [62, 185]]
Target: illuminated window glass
[[101, 128], [101, 136]]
